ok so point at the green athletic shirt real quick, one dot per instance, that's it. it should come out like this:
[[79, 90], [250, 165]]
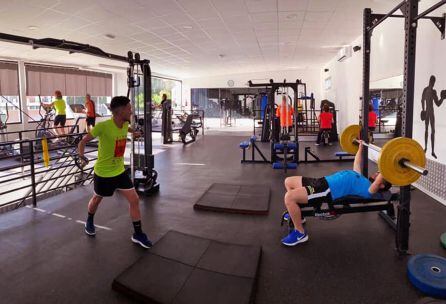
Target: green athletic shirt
[[112, 141], [60, 106]]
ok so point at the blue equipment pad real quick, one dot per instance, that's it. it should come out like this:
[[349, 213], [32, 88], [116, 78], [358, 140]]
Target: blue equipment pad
[[244, 144], [427, 272], [342, 153], [253, 138], [279, 165]]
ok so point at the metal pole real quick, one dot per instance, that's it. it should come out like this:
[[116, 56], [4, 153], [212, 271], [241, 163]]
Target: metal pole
[[33, 172], [403, 219], [366, 34]]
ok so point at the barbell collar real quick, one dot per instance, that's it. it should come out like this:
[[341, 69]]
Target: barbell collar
[[406, 163]]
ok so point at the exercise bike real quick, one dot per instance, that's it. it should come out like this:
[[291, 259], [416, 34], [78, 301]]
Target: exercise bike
[[325, 136], [7, 149], [43, 128]]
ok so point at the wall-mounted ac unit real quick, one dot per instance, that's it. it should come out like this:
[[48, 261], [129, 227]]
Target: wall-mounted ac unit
[[344, 53]]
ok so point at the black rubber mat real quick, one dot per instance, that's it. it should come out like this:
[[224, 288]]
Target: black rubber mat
[[182, 268], [244, 199]]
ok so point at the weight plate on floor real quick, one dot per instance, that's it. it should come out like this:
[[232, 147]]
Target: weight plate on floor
[[430, 301], [348, 137], [427, 272], [391, 154], [443, 240]]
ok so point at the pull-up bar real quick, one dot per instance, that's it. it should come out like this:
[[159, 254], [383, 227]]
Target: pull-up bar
[[430, 10], [420, 16], [389, 14]]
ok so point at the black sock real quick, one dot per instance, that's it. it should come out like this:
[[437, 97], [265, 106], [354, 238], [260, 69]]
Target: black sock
[[90, 217], [137, 226]]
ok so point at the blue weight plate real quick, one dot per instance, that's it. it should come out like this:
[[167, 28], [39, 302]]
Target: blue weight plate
[[427, 272]]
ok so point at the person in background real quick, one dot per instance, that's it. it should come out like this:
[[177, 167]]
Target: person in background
[[326, 121], [372, 122], [61, 115], [285, 113], [90, 110]]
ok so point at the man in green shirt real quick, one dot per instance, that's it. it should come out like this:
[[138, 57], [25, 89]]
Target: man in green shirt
[[109, 172], [61, 115]]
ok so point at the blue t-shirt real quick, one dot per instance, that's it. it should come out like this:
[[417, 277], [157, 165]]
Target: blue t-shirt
[[348, 182]]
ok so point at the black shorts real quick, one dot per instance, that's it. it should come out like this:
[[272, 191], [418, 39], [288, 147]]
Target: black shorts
[[106, 186], [372, 129], [317, 189], [91, 121], [60, 119]]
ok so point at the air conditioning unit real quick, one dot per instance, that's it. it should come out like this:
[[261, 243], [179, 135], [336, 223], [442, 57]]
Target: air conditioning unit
[[344, 53]]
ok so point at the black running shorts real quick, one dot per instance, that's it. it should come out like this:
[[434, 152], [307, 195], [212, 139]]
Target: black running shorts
[[106, 186], [317, 189], [60, 119], [91, 121]]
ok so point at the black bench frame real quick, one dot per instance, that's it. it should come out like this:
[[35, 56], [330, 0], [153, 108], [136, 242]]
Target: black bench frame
[[340, 158], [254, 148]]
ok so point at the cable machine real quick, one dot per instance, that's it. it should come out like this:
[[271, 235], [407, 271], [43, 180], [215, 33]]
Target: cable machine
[[142, 173]]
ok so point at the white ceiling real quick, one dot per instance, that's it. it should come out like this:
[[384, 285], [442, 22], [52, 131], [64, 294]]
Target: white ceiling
[[189, 38]]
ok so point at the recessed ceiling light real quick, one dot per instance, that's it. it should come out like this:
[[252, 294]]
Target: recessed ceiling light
[[187, 27], [291, 16], [110, 36], [32, 27]]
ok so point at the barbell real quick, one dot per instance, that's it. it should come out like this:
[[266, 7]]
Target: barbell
[[401, 160]]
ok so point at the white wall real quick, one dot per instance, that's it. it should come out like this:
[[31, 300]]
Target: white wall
[[430, 58], [386, 68], [310, 76]]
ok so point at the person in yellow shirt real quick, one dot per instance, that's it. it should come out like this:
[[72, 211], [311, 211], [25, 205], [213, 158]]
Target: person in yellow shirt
[[109, 171], [61, 115]]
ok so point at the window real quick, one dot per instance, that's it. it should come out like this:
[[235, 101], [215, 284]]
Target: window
[[172, 88], [9, 90], [74, 85]]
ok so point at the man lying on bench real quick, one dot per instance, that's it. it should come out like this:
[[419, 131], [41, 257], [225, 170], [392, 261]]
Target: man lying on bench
[[307, 190]]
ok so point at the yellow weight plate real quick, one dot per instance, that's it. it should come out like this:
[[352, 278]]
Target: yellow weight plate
[[347, 139], [392, 152]]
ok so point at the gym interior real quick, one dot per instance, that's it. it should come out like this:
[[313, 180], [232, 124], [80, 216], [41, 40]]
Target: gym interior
[[152, 151]]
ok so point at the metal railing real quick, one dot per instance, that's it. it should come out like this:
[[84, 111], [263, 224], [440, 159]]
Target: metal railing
[[25, 179]]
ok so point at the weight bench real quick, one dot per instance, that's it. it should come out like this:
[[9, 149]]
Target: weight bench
[[348, 204], [252, 144]]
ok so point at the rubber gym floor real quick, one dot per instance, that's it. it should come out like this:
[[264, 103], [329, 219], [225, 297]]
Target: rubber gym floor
[[45, 256]]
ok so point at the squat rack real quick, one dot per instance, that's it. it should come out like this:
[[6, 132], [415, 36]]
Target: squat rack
[[150, 184], [272, 88], [409, 9]]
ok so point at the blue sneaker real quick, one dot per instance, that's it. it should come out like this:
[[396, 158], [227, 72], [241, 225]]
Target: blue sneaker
[[141, 239], [90, 229], [294, 238]]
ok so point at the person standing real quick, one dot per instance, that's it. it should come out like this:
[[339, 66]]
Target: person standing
[[372, 122], [109, 171], [90, 110]]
